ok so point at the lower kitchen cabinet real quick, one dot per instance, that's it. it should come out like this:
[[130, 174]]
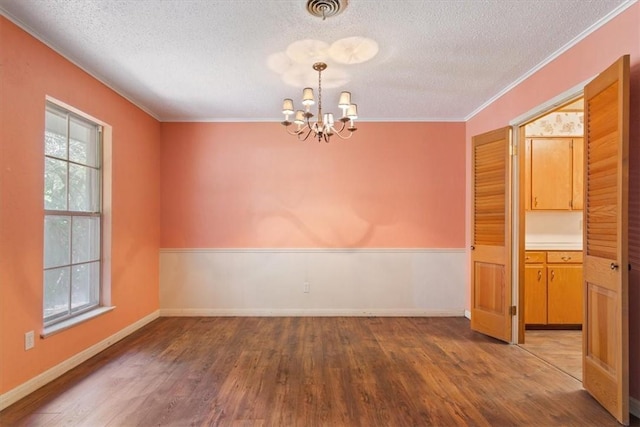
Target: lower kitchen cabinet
[[535, 294], [553, 288], [564, 294]]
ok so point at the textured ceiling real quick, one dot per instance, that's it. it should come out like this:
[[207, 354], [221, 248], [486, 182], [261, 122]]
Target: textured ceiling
[[208, 59]]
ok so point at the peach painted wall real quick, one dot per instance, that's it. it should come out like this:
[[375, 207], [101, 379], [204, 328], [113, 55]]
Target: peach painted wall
[[583, 61], [30, 71], [250, 185]]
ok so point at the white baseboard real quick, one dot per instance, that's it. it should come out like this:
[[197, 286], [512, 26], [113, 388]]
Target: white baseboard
[[213, 312], [49, 375], [634, 407], [467, 314]]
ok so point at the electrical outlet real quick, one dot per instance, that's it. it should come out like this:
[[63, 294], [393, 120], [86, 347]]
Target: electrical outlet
[[29, 340], [307, 287]]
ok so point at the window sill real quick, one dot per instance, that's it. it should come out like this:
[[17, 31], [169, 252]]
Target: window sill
[[69, 323]]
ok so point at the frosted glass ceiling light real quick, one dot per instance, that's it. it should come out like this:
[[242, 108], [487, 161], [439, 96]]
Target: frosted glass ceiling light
[[324, 127]]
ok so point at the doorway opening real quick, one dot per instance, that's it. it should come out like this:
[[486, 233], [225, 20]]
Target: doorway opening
[[550, 218]]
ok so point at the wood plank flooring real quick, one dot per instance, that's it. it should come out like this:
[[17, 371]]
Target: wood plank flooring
[[307, 371], [561, 348]]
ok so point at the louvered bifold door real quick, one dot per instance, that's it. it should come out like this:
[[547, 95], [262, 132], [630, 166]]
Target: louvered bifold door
[[490, 263], [605, 327]]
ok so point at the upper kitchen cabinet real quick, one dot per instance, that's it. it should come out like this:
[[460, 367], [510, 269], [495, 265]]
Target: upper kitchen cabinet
[[553, 173]]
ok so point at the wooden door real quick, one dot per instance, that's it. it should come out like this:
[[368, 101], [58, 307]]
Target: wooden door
[[491, 234], [551, 173], [605, 353]]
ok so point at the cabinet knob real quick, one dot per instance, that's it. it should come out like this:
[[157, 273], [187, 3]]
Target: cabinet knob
[[539, 275], [472, 248], [566, 258], [553, 275], [614, 266]]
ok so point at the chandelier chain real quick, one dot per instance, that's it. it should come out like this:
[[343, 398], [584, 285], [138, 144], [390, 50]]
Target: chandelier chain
[[320, 95]]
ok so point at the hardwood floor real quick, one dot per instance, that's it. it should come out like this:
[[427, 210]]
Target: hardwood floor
[[561, 348], [306, 371]]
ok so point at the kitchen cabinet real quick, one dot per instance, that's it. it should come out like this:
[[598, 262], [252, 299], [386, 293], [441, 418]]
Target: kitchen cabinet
[[553, 288], [553, 173], [535, 294]]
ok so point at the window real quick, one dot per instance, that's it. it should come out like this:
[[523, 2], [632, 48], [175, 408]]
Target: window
[[72, 215]]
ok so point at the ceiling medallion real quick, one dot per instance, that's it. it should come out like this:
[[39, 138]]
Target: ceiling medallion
[[326, 8], [324, 127]]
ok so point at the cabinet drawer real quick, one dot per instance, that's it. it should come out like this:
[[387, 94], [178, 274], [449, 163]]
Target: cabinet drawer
[[564, 257], [531, 257]]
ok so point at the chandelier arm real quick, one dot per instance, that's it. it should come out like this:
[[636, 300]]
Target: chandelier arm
[[292, 133], [339, 135], [344, 123], [306, 136]]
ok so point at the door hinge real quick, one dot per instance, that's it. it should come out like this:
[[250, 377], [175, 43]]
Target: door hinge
[[513, 150], [512, 310]]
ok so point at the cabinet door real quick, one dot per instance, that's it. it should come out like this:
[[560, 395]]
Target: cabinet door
[[535, 295], [564, 293], [551, 174], [578, 173]]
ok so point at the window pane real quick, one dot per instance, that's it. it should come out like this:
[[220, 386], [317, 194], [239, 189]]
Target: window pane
[[55, 134], [55, 184], [57, 242], [86, 282], [84, 189], [83, 144], [86, 239], [56, 292]]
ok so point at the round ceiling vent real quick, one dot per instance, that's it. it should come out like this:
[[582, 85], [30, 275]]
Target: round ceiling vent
[[326, 8]]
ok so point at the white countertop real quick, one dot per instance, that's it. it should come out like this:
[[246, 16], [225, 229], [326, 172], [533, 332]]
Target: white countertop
[[553, 246]]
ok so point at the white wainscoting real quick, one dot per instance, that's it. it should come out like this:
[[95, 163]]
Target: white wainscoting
[[342, 282]]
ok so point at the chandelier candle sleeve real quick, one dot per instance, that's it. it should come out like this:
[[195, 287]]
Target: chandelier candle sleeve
[[325, 125], [307, 97], [352, 112], [345, 101], [287, 107]]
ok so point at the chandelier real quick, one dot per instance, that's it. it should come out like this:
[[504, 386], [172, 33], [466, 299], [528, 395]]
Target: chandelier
[[324, 127]]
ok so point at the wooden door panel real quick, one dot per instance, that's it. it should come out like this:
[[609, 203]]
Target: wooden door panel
[[490, 263], [601, 348], [606, 317], [489, 288]]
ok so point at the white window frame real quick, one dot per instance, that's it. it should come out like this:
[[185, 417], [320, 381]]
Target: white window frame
[[72, 317]]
